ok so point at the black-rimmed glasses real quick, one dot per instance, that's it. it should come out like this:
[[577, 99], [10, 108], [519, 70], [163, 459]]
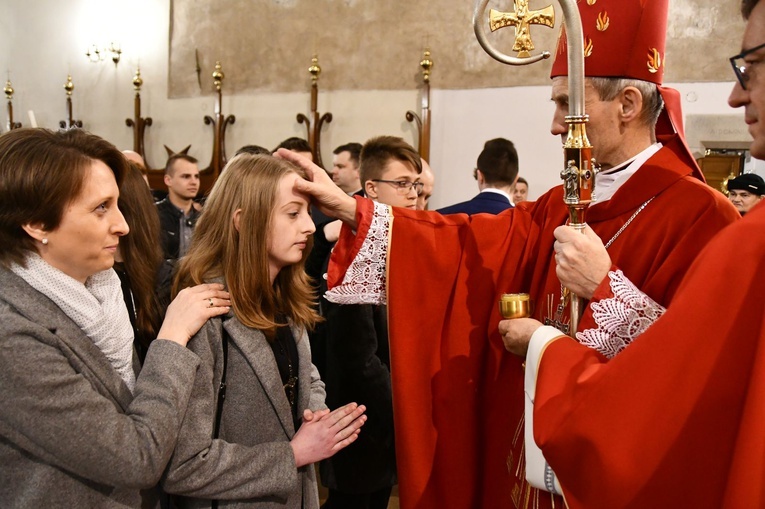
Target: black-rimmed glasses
[[403, 186], [741, 66]]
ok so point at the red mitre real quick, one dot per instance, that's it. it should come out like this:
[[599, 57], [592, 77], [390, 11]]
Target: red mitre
[[622, 39], [627, 39]]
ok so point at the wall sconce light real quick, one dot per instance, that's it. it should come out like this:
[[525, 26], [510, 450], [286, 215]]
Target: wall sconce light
[[96, 54]]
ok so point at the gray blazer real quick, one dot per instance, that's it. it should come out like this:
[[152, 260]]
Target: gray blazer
[[251, 464], [71, 433]]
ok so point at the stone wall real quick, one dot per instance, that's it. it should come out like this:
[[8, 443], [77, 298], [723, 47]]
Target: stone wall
[[267, 45]]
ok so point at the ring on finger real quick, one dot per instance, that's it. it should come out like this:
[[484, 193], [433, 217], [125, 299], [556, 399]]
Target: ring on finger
[[211, 302]]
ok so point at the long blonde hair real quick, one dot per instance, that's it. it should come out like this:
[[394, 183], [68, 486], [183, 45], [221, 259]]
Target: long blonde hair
[[250, 183]]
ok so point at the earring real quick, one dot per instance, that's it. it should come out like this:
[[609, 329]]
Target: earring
[[44, 242]]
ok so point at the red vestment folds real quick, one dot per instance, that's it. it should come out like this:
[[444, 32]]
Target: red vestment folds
[[677, 418], [457, 395]]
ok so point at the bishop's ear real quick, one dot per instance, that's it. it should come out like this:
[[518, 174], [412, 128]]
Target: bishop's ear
[[631, 101]]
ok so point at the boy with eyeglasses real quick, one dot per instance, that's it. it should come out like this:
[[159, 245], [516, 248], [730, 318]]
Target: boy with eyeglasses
[[390, 172]]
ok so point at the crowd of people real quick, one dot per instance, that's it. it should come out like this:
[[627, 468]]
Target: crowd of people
[[303, 324]]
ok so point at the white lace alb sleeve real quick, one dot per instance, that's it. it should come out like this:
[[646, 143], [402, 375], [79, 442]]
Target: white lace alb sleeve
[[621, 318], [364, 281]]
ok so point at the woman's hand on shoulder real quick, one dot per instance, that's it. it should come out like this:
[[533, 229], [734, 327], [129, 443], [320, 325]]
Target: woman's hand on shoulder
[[190, 309], [323, 433]]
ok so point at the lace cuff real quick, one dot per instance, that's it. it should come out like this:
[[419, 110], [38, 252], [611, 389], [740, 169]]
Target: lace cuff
[[621, 318], [364, 281]]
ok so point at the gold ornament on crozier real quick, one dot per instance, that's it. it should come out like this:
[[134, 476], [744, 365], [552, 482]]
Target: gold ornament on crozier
[[522, 19]]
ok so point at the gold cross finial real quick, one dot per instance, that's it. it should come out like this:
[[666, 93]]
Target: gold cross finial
[[218, 75], [137, 80], [521, 19], [427, 64], [69, 86], [314, 70]]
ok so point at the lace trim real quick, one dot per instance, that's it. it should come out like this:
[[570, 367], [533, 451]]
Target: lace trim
[[620, 319], [364, 281]]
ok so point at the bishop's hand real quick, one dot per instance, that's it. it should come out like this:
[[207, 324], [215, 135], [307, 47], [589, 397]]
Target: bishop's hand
[[516, 334], [582, 260], [327, 196]]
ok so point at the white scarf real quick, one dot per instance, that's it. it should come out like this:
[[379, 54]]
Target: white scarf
[[97, 307]]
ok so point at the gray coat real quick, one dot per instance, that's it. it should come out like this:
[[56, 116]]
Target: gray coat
[[71, 433], [251, 464]]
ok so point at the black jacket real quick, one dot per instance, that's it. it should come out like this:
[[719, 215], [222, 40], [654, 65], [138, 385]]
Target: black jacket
[[358, 369], [170, 225]]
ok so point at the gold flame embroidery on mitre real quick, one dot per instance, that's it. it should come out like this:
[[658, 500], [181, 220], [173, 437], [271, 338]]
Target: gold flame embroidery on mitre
[[591, 2], [603, 21], [654, 60], [562, 43], [587, 47]]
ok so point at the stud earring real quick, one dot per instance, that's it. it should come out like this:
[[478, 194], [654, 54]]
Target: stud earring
[[45, 242]]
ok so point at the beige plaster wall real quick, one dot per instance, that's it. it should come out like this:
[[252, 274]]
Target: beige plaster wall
[[266, 45]]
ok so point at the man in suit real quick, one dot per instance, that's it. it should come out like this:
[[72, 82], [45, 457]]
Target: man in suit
[[496, 172]]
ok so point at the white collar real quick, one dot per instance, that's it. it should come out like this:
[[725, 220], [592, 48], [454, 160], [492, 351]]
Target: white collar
[[498, 191], [609, 181]]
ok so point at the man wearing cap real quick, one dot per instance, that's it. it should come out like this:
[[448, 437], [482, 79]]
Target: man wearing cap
[[746, 191], [458, 396]]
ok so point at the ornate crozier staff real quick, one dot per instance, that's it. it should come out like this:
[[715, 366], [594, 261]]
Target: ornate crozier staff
[[579, 169]]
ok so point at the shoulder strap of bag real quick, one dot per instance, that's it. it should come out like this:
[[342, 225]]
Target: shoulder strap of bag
[[222, 387], [221, 393]]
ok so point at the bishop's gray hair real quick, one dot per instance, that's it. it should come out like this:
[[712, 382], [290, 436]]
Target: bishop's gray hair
[[609, 88]]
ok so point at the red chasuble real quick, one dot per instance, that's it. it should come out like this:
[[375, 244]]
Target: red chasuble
[[457, 394], [678, 418]]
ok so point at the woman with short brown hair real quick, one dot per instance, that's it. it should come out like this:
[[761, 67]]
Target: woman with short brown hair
[[79, 427]]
